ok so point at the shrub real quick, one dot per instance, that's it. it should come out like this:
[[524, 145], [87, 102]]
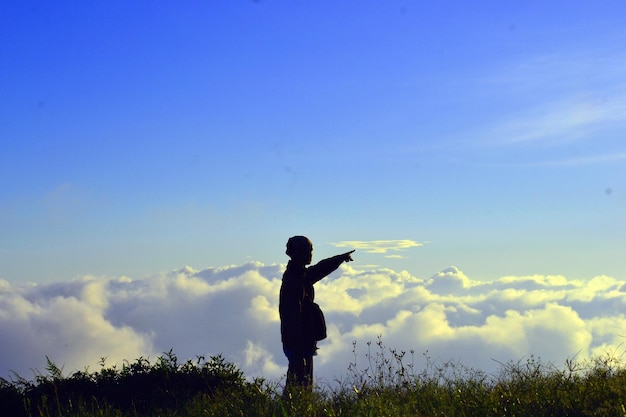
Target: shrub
[[385, 383]]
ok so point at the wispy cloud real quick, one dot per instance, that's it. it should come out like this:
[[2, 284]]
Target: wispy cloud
[[564, 109], [559, 123], [378, 246], [567, 161]]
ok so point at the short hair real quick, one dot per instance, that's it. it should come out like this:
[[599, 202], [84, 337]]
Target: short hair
[[298, 245]]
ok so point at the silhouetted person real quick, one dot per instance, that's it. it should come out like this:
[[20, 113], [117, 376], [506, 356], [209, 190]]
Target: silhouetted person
[[301, 320]]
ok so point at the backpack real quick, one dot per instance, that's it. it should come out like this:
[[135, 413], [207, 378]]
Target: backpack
[[315, 321]]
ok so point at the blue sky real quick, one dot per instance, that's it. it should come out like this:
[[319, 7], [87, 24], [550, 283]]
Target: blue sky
[[139, 137]]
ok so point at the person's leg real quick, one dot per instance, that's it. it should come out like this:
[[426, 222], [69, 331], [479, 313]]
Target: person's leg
[[296, 372], [308, 372]]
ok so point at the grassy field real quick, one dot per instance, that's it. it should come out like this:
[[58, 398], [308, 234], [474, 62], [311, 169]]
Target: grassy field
[[386, 385]]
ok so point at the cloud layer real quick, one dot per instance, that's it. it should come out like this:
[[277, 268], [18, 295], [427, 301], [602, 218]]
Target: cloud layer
[[234, 311]]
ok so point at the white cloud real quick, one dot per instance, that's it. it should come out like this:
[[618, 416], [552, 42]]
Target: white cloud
[[378, 246], [448, 281], [562, 111], [70, 329], [560, 122], [234, 311]]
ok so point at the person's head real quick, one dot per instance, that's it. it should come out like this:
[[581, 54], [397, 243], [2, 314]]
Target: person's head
[[300, 249]]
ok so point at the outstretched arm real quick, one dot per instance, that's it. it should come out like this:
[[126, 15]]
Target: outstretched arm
[[326, 266]]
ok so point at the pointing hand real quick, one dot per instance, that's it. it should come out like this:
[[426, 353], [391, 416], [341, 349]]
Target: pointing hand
[[347, 257]]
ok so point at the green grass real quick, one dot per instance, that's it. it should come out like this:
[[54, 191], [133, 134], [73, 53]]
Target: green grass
[[385, 384]]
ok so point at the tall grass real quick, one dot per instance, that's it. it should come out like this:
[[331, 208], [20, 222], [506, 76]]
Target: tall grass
[[384, 382]]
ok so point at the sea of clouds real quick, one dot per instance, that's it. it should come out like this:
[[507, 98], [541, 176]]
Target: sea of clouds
[[233, 311]]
